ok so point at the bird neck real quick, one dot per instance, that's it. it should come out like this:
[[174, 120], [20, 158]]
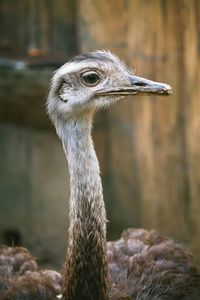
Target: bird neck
[[85, 268]]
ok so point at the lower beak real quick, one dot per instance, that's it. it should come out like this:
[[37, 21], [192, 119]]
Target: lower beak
[[138, 85]]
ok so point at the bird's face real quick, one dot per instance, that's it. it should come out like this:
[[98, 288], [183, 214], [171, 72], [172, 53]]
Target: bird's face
[[93, 81]]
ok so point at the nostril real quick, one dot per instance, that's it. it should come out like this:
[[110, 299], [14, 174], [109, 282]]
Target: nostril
[[140, 83]]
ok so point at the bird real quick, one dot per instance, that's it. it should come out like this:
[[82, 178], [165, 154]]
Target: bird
[[141, 265], [21, 278]]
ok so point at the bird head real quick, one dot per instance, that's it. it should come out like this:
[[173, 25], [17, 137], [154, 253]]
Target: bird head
[[92, 81]]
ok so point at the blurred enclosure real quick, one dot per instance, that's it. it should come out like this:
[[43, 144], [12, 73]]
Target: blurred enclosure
[[149, 148]]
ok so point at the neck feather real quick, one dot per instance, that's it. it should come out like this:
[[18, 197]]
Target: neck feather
[[86, 266]]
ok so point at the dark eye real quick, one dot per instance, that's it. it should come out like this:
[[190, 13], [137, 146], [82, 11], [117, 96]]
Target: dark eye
[[90, 78]]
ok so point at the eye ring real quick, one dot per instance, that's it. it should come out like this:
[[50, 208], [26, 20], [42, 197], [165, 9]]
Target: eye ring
[[90, 78]]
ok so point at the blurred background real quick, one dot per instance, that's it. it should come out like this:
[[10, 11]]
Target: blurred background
[[148, 147]]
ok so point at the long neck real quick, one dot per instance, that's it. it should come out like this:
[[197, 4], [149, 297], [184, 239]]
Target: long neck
[[85, 268]]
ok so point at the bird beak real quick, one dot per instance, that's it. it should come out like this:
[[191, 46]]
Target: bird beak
[[138, 85], [141, 85]]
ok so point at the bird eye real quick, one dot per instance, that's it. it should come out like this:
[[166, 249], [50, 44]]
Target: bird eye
[[90, 78]]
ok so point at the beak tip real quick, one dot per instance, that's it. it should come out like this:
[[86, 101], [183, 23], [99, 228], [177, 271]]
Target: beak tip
[[170, 93], [168, 90], [164, 89]]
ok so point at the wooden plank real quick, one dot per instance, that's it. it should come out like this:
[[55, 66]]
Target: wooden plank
[[40, 27], [191, 95], [159, 121]]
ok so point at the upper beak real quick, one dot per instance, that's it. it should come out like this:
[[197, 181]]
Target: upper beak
[[139, 85]]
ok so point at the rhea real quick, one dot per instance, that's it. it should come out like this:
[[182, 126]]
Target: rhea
[[142, 265]]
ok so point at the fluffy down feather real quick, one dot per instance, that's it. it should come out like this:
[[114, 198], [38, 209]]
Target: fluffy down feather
[[20, 277], [143, 266]]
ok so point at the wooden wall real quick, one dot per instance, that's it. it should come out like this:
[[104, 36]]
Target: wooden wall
[[154, 143], [149, 148]]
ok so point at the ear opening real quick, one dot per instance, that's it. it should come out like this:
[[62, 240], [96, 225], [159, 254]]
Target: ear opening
[[61, 93], [59, 85]]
